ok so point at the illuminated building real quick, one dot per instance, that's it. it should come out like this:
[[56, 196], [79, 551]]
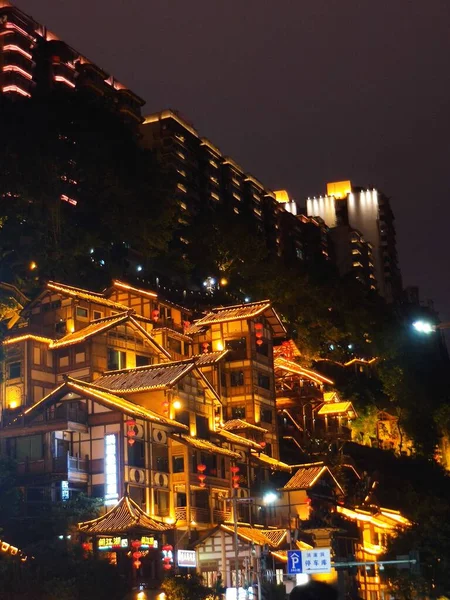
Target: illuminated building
[[352, 254], [34, 60], [366, 213], [206, 179]]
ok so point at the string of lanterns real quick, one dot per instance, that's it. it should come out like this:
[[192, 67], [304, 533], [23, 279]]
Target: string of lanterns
[[201, 468]]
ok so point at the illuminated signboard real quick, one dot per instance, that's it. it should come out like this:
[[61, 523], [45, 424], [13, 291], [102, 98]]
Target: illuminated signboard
[[112, 543], [187, 558], [64, 490], [111, 464], [148, 542]]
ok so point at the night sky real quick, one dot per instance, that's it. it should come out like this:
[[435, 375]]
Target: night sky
[[299, 93]]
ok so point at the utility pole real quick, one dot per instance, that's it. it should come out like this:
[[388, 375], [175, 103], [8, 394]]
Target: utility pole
[[236, 543]]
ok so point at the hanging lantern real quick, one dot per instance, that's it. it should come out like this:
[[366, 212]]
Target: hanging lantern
[[131, 431], [201, 468], [167, 551], [136, 544], [235, 478], [259, 342], [137, 564], [186, 325], [263, 445], [155, 315], [167, 566], [201, 477], [165, 407], [86, 546], [136, 555], [205, 347]]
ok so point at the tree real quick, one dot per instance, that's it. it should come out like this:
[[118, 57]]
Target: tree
[[186, 587]]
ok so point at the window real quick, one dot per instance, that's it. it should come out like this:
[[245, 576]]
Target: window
[[142, 361], [182, 416], [262, 348], [238, 348], [61, 327], [161, 498], [264, 381], [116, 359], [236, 378], [29, 447], [136, 454], [238, 412], [137, 494], [82, 313], [160, 458], [96, 314], [174, 345], [80, 357], [64, 360], [98, 490], [178, 464], [202, 426], [266, 415], [14, 370]]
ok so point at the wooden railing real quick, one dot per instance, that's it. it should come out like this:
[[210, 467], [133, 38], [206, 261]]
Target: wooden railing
[[201, 515]]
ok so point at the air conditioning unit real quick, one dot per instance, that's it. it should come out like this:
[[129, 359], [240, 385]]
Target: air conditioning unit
[[161, 480], [136, 475], [159, 436]]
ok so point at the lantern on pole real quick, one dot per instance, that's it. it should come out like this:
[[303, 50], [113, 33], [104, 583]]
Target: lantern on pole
[[136, 544]]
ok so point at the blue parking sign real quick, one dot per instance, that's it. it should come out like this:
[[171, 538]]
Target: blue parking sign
[[294, 562]]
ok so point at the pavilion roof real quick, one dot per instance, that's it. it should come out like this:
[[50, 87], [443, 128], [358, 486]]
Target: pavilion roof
[[81, 294], [99, 326], [336, 408], [209, 358], [240, 440], [262, 537], [240, 312], [283, 364], [205, 446], [307, 476], [241, 425], [149, 377], [273, 463], [125, 516], [104, 397]]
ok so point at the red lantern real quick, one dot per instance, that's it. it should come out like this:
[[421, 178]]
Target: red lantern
[[155, 315], [136, 544], [263, 445], [136, 555], [234, 470], [86, 546], [167, 566], [137, 564], [205, 346], [201, 478], [186, 325], [131, 431], [201, 468], [259, 342]]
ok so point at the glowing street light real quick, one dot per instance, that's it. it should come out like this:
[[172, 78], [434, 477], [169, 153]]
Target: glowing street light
[[424, 327], [270, 498]]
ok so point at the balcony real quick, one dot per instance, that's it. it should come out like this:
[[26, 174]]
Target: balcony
[[69, 468], [67, 417], [201, 515]]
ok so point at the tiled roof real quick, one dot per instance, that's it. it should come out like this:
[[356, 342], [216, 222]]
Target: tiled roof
[[209, 358], [94, 328], [240, 312], [292, 367], [74, 292], [331, 397], [233, 438], [273, 463], [307, 475], [336, 408], [206, 446], [150, 377], [25, 337], [129, 288], [241, 425], [107, 399], [262, 537], [125, 516]]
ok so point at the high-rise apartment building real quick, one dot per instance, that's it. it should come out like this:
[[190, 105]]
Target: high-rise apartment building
[[33, 60], [205, 178], [369, 214]]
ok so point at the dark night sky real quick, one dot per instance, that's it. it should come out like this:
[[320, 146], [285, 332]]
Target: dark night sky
[[299, 93]]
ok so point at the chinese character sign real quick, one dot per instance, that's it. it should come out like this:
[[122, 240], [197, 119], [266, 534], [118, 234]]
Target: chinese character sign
[[317, 560]]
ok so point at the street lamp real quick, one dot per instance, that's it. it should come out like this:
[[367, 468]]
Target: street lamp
[[424, 327], [270, 498]]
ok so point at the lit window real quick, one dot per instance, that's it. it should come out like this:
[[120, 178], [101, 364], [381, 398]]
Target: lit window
[[214, 164], [256, 197], [215, 196], [181, 187], [183, 206], [236, 196], [236, 210], [181, 155], [96, 314], [179, 137], [82, 313], [116, 359], [181, 172], [214, 180], [257, 212], [236, 182]]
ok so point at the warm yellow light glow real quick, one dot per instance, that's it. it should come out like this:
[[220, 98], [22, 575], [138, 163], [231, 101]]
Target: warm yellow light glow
[[282, 196], [223, 281], [161, 596], [220, 346], [142, 596], [177, 405], [339, 189], [13, 404], [33, 265], [170, 521]]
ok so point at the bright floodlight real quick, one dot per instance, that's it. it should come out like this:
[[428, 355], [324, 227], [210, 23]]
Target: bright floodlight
[[270, 498], [423, 327]]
